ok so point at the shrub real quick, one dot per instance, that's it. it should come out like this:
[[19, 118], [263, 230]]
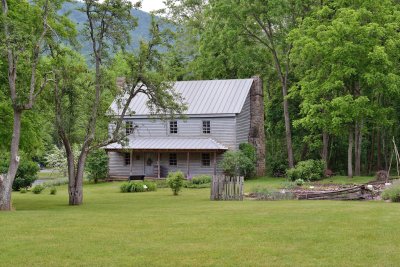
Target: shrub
[[236, 163], [392, 193], [201, 179], [151, 186], [175, 181], [96, 165], [249, 151], [138, 187], [299, 182], [311, 170], [53, 190], [125, 187], [278, 168], [37, 189], [26, 174], [23, 190]]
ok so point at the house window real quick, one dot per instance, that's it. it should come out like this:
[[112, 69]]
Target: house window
[[205, 159], [173, 127], [127, 158], [206, 127], [173, 159], [129, 127]]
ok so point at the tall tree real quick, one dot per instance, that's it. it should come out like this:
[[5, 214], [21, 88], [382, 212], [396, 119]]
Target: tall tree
[[25, 27], [107, 29], [346, 59]]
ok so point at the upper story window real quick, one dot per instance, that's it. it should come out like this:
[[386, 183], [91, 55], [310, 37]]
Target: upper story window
[[128, 127], [173, 127], [205, 159], [173, 161], [206, 127], [127, 158]]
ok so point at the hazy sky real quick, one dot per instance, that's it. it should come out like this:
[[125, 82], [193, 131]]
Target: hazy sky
[[150, 5]]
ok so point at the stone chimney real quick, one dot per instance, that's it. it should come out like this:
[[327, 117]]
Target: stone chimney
[[257, 133]]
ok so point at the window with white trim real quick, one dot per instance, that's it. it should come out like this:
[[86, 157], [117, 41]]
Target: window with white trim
[[205, 159], [128, 127], [173, 161], [173, 127], [206, 127]]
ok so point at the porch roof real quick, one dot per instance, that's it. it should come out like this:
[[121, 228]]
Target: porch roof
[[143, 143]]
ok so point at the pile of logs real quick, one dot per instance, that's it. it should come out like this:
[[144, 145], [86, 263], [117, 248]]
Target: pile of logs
[[360, 192]]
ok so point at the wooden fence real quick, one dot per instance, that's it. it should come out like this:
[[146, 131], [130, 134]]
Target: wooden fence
[[227, 188]]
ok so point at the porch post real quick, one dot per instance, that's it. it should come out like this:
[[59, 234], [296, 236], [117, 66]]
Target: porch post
[[187, 164], [144, 163], [158, 164], [215, 163], [131, 162]]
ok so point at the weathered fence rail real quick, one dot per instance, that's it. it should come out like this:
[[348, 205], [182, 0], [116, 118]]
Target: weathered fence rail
[[353, 193], [227, 188]]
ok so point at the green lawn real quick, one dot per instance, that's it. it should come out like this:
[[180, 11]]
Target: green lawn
[[49, 174], [158, 229]]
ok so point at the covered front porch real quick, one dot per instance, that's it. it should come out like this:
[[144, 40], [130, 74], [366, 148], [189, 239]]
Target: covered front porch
[[155, 158]]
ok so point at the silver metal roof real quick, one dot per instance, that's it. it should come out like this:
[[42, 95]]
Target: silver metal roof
[[142, 143], [202, 97]]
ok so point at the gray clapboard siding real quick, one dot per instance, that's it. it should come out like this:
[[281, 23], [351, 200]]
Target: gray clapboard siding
[[223, 129], [243, 123], [117, 165]]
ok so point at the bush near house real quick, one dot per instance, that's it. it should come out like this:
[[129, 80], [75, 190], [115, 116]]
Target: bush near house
[[132, 187], [175, 181], [200, 181], [309, 170], [236, 163], [96, 165]]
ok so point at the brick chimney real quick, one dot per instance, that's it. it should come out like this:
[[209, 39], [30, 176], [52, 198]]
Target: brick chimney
[[257, 133]]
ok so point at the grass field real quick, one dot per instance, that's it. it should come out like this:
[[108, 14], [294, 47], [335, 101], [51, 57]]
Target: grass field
[[158, 229]]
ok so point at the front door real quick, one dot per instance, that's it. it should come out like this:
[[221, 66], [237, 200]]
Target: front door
[[149, 162]]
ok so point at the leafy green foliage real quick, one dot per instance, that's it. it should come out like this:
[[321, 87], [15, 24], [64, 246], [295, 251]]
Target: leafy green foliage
[[38, 189], [97, 165], [200, 181], [392, 193], [53, 190], [309, 170], [236, 163], [249, 151], [133, 187], [175, 181], [26, 172]]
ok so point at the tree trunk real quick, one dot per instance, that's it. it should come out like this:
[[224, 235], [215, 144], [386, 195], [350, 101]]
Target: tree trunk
[[7, 180], [372, 152], [358, 142], [325, 145], [288, 131], [350, 155], [379, 152], [75, 185]]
